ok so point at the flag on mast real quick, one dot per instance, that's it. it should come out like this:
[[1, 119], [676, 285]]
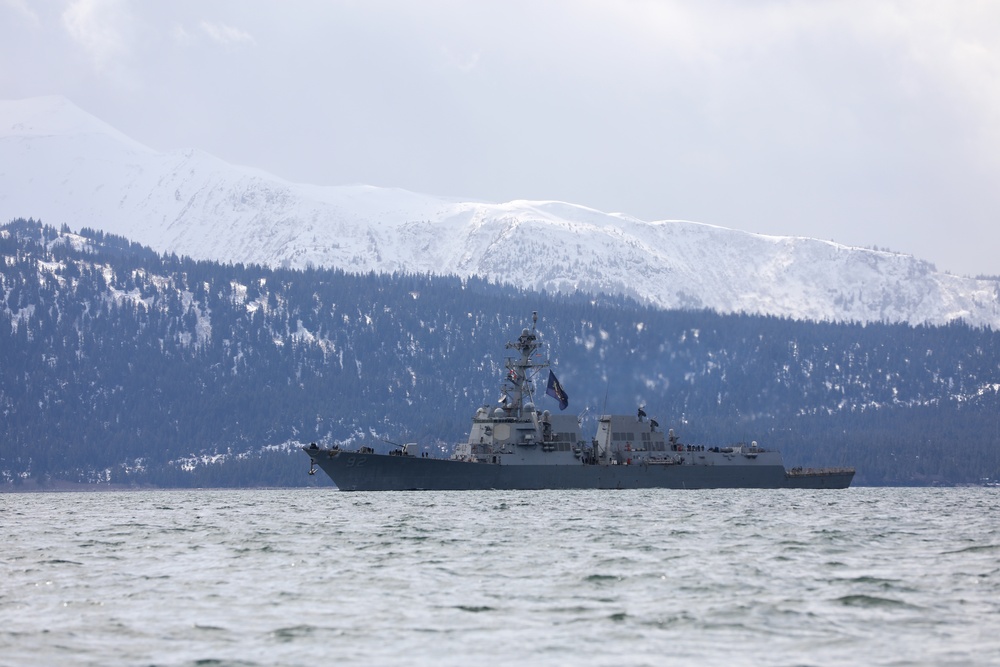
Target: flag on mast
[[556, 391]]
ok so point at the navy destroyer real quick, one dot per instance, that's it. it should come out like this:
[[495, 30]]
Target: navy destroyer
[[513, 445]]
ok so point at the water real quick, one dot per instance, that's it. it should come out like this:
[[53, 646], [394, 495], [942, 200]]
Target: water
[[307, 577]]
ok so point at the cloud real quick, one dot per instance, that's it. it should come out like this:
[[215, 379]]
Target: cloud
[[180, 34], [225, 34], [100, 27], [21, 6], [463, 62]]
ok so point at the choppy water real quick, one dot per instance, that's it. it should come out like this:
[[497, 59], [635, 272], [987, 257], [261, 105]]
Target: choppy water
[[307, 577]]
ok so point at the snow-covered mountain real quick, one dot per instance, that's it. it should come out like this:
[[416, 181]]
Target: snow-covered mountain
[[61, 165]]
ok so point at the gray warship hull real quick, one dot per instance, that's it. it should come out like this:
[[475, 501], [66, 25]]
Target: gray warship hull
[[354, 471]]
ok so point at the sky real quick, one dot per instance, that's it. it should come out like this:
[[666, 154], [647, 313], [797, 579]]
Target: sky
[[873, 123]]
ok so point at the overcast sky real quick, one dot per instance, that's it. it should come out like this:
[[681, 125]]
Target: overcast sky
[[869, 122]]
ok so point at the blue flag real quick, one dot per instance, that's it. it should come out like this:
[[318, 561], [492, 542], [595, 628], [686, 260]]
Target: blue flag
[[555, 390]]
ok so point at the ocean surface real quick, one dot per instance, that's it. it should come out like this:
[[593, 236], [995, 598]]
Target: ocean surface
[[866, 576]]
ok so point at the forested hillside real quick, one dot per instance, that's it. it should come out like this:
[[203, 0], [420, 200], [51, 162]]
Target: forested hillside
[[118, 365]]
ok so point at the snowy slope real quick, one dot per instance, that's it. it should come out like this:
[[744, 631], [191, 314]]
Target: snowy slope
[[59, 164]]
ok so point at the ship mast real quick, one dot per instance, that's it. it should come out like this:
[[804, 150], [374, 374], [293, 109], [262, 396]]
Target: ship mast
[[518, 383]]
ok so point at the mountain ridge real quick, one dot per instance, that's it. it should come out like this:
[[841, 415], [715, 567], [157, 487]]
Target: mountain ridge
[[60, 164]]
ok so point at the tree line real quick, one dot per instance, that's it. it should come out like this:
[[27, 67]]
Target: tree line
[[121, 365]]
